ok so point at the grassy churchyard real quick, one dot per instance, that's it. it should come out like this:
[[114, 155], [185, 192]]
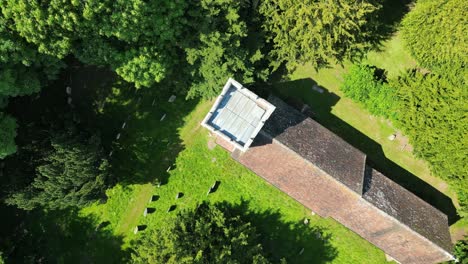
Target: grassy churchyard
[[176, 152], [154, 142]]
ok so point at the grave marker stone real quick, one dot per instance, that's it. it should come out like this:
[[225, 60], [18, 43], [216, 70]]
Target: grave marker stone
[[154, 101], [118, 136], [162, 118], [145, 212], [124, 124], [171, 208], [302, 251], [172, 99], [68, 90], [179, 195]]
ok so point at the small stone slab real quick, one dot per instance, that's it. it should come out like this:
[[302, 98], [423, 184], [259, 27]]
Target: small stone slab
[[163, 117], [302, 251], [179, 195], [118, 136], [154, 101], [110, 153], [306, 221], [124, 124], [392, 137], [171, 208], [172, 99], [145, 212], [68, 90], [69, 100], [317, 89]]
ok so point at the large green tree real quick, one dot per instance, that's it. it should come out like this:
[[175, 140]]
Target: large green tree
[[318, 32], [72, 173], [435, 33], [432, 112], [204, 235]]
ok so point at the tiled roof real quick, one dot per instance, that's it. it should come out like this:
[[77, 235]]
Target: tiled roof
[[407, 208], [316, 144]]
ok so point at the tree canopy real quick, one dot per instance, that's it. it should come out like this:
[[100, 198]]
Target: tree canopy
[[7, 135], [72, 173], [435, 34], [318, 32], [204, 235]]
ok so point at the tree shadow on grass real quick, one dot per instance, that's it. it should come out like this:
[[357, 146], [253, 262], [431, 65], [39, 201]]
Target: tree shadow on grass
[[298, 92], [294, 242], [139, 127], [61, 237]]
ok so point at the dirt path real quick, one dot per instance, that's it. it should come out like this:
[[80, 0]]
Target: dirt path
[[135, 209]]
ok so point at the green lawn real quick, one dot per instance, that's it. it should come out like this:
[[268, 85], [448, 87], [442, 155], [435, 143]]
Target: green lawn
[[193, 169], [366, 132]]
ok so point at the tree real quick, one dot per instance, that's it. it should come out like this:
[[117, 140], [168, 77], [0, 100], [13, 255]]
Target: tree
[[72, 173], [435, 34], [205, 235], [318, 32], [432, 112], [7, 135], [461, 251]]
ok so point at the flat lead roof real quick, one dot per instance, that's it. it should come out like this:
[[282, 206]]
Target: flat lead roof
[[238, 114]]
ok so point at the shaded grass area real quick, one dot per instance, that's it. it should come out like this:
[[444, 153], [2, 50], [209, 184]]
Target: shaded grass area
[[366, 132]]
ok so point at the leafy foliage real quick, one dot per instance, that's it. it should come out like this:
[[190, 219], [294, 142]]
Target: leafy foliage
[[72, 173], [435, 34], [364, 85], [7, 135], [432, 113], [318, 32], [461, 251], [206, 235]]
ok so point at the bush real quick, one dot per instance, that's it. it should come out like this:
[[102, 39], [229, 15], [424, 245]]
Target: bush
[[366, 85]]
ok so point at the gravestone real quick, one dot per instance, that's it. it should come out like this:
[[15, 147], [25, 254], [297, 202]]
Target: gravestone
[[179, 195], [124, 124], [154, 198], [68, 90], [214, 187], [172, 99], [118, 136], [145, 212], [312, 212], [135, 230], [168, 169], [306, 221], [392, 137], [302, 251], [150, 210], [110, 153], [69, 100], [171, 208], [154, 101], [162, 118]]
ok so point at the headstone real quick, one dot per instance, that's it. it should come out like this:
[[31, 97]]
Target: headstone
[[213, 187], [172, 99], [118, 136], [168, 169], [302, 251], [145, 212], [179, 195], [154, 101], [392, 137], [162, 118], [110, 153], [135, 230], [150, 210], [171, 208], [306, 221], [312, 212], [69, 100], [317, 89], [154, 198], [68, 90], [124, 124]]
